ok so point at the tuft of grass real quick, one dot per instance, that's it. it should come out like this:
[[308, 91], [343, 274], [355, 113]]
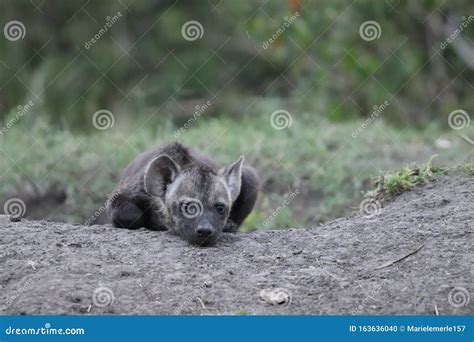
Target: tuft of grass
[[244, 313], [390, 185], [466, 169]]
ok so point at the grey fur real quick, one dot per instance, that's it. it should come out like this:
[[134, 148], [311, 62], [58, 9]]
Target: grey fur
[[160, 189]]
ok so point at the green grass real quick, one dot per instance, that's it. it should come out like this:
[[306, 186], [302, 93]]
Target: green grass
[[244, 313], [390, 185], [329, 167], [466, 169]]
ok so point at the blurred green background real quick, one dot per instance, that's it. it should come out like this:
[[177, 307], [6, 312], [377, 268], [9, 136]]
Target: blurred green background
[[356, 88]]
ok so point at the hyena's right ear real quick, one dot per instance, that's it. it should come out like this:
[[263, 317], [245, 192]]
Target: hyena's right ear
[[160, 172]]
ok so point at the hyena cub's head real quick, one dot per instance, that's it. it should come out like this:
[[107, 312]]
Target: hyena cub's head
[[196, 199]]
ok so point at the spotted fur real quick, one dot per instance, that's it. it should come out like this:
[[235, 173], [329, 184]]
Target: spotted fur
[[153, 188]]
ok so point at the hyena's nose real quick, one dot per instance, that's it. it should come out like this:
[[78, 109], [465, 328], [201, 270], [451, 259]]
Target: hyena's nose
[[204, 228]]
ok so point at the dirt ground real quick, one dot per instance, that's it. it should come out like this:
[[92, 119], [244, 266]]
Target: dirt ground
[[343, 267]]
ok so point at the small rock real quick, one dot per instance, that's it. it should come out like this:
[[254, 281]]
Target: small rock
[[277, 296], [124, 273], [76, 299], [14, 218], [445, 201]]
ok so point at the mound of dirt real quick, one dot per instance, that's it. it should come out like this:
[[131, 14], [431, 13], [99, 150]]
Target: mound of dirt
[[413, 257]]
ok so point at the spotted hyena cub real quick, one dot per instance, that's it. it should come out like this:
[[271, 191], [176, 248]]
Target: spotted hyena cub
[[175, 188]]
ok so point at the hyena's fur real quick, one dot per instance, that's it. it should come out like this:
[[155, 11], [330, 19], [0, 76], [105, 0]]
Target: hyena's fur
[[156, 180]]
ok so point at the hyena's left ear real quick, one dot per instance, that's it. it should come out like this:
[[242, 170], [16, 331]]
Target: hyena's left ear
[[233, 177], [160, 172]]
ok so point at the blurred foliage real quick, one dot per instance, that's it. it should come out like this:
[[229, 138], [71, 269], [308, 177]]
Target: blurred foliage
[[142, 64], [254, 57]]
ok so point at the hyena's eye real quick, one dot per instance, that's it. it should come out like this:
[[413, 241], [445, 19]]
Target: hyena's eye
[[220, 208]]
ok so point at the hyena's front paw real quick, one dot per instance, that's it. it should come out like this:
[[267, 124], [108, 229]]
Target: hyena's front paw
[[126, 214]]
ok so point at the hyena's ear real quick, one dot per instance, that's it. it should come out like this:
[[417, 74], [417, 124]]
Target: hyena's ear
[[232, 177], [160, 172]]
